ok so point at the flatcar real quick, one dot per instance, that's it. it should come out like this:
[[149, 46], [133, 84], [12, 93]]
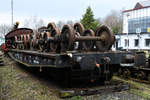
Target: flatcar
[[72, 53]]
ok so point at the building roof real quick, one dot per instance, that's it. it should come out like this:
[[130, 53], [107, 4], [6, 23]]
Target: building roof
[[140, 5], [144, 3]]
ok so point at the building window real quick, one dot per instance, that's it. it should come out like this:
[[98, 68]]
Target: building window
[[142, 23], [147, 42], [126, 42], [136, 42]]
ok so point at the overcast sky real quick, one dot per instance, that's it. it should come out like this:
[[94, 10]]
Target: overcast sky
[[54, 10]]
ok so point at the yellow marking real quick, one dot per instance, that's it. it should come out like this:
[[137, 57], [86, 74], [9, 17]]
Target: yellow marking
[[40, 69], [148, 29]]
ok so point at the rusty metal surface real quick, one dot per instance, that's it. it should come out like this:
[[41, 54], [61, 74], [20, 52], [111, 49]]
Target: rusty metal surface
[[107, 37], [18, 31], [79, 29], [88, 45], [51, 26], [54, 32], [50, 39], [67, 38]]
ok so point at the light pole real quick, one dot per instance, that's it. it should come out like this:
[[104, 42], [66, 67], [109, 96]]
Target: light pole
[[128, 33], [12, 12]]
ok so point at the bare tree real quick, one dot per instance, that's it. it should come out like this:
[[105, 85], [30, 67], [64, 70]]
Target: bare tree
[[70, 22], [114, 21], [99, 20], [39, 23], [60, 24], [4, 29], [33, 22]]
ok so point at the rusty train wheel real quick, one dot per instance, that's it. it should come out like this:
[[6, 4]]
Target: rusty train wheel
[[107, 36], [25, 41], [67, 35], [28, 41], [31, 40], [22, 39], [54, 46], [41, 44], [51, 26], [46, 44], [46, 36], [79, 29], [34, 40], [54, 31], [88, 45], [40, 38], [18, 38]]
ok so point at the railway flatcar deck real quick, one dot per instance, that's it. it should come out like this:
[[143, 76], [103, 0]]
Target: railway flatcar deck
[[68, 59]]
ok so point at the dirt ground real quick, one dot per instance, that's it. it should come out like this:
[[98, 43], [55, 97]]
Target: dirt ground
[[16, 83]]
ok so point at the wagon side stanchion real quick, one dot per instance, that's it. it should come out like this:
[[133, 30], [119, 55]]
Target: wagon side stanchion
[[106, 62]]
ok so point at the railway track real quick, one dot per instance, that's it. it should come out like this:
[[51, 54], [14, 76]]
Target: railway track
[[136, 80], [113, 86]]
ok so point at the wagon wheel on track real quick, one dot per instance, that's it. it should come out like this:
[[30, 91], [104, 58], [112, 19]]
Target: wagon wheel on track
[[67, 36], [107, 38], [141, 75], [148, 77], [79, 29], [54, 32], [88, 45], [126, 73]]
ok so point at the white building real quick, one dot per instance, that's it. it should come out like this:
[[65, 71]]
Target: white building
[[133, 41], [138, 18], [136, 28]]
